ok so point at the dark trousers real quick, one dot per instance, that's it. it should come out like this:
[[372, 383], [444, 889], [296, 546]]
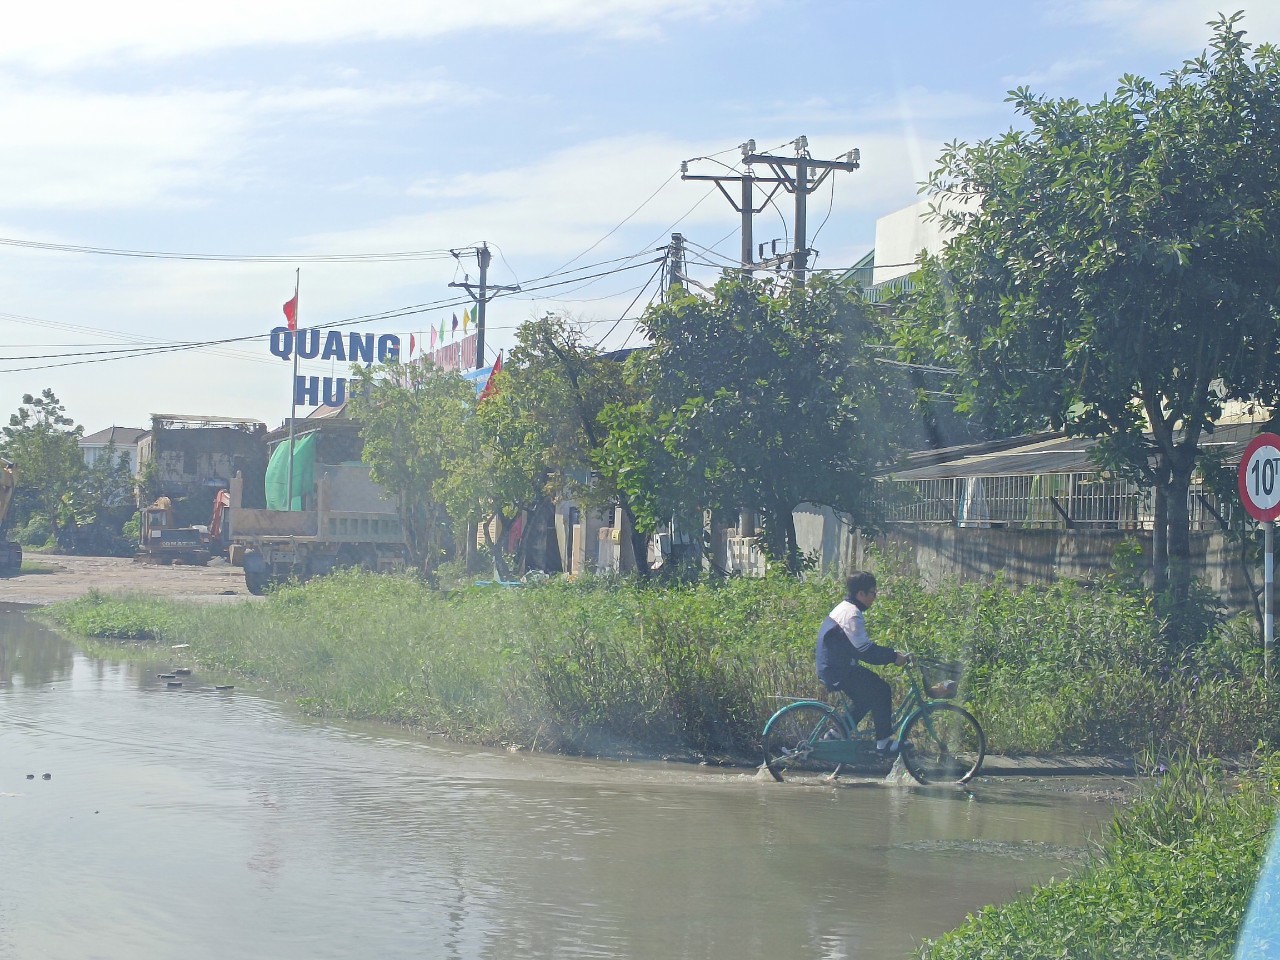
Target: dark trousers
[[868, 691]]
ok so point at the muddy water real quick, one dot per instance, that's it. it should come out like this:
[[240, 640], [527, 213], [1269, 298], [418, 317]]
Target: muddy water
[[194, 823]]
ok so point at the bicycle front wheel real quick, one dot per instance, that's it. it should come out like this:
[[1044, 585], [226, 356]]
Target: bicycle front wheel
[[789, 737], [943, 743]]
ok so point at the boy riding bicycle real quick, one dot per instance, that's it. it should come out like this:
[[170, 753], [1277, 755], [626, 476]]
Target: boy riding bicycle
[[844, 645]]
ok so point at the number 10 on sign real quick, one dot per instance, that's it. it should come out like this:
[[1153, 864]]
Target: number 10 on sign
[[1259, 480]]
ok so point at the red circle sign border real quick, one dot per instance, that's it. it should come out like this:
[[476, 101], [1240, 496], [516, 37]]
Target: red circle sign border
[[1259, 514]]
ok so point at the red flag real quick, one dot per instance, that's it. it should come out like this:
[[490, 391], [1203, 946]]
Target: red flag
[[291, 312], [412, 344], [488, 390], [433, 339]]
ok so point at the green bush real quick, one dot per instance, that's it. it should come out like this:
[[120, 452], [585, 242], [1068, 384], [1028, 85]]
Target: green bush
[[598, 665], [36, 533], [1172, 878]]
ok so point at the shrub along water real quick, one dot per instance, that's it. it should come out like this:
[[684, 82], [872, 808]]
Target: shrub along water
[[601, 665], [1172, 878]]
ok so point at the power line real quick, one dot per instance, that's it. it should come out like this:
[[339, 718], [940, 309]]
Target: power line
[[831, 202], [621, 223], [643, 204], [228, 257], [179, 346], [608, 333]]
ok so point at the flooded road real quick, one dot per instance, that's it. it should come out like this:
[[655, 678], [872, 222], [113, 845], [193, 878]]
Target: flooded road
[[195, 823]]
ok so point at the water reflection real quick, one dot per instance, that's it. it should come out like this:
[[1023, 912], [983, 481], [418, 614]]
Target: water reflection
[[215, 825], [28, 658]]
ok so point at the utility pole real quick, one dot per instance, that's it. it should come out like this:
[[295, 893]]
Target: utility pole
[[675, 262], [801, 183], [744, 202], [481, 293]]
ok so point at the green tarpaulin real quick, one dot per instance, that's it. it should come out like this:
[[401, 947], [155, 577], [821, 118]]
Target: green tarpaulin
[[304, 473]]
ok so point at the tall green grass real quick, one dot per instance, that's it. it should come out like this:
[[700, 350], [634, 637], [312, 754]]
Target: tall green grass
[[1172, 878], [601, 665]]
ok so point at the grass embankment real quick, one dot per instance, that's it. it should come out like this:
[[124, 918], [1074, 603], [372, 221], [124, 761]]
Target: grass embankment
[[1172, 878], [596, 666]]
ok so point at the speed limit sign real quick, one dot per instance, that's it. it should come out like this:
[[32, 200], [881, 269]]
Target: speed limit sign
[[1259, 477]]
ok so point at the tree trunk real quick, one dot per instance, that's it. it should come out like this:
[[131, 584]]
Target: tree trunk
[[532, 537], [780, 540], [1179, 538], [773, 542], [639, 541], [793, 548], [1160, 543], [500, 568]]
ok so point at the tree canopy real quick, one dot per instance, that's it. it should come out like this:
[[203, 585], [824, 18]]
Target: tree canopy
[[1114, 268], [759, 399], [411, 419], [44, 443]]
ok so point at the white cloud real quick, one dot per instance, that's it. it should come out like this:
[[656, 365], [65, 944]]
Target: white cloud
[[78, 150], [873, 110], [1178, 26], [361, 99], [44, 36], [569, 199], [71, 150], [1054, 74]]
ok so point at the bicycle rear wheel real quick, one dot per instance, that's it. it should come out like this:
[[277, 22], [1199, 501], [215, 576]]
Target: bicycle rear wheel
[[943, 743], [789, 737]]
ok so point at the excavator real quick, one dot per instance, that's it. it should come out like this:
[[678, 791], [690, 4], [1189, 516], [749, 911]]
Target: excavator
[[10, 552], [165, 542]]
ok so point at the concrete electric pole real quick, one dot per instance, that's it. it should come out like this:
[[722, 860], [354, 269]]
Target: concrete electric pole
[[675, 263], [801, 175], [744, 203], [481, 293]]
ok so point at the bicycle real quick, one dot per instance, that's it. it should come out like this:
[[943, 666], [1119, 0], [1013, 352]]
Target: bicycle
[[939, 742]]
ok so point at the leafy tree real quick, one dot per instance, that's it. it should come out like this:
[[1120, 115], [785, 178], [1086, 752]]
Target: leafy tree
[[102, 503], [563, 385], [410, 417], [761, 399], [523, 446], [1116, 268], [488, 475], [43, 442]]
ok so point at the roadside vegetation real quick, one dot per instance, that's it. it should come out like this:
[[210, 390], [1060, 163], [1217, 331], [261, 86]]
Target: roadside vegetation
[[603, 666], [618, 668], [1171, 878]]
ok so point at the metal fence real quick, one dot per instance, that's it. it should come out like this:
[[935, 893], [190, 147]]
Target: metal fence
[[1049, 501]]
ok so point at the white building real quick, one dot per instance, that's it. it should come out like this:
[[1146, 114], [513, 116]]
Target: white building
[[122, 439], [902, 237]]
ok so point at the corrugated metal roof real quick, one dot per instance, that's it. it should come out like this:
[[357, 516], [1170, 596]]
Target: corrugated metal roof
[[1053, 454]]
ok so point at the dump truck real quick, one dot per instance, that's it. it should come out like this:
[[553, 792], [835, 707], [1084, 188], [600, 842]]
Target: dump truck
[[10, 552], [165, 542], [343, 519]]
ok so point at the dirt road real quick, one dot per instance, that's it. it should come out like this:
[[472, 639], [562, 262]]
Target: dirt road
[[71, 577]]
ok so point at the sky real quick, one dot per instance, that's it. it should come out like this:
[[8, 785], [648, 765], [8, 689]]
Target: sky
[[171, 170]]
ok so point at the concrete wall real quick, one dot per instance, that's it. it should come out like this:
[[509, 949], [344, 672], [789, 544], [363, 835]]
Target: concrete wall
[[939, 552], [198, 459]]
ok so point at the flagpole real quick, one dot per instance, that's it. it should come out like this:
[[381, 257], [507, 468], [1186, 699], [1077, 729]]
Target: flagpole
[[293, 388]]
